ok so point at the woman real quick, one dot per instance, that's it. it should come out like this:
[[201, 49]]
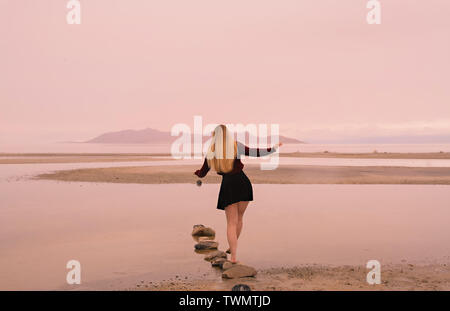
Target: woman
[[235, 190]]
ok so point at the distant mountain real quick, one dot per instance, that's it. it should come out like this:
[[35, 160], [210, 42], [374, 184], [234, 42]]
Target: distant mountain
[[151, 136], [145, 136]]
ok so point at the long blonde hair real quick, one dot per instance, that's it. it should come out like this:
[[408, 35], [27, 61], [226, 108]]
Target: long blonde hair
[[222, 151]]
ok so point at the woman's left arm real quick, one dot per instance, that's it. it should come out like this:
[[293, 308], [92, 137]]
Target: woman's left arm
[[258, 152]]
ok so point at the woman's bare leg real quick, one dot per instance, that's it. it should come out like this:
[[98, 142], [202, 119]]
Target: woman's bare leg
[[231, 212], [241, 210], [241, 207]]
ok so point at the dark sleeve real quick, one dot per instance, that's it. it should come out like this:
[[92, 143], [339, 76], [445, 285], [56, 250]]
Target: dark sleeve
[[203, 171], [254, 152]]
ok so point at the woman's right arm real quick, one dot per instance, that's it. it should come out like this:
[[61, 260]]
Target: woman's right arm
[[203, 171]]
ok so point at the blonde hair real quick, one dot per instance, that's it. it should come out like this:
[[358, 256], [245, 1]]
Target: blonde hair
[[222, 151]]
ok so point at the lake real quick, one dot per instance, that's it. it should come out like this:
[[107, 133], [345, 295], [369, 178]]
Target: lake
[[165, 148], [124, 233]]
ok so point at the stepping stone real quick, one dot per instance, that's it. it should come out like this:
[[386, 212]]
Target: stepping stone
[[201, 230], [227, 265], [241, 288], [238, 271], [218, 262], [203, 245], [215, 255], [203, 238]]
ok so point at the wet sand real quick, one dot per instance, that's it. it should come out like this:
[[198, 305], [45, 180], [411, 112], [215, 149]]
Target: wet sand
[[394, 277], [285, 174]]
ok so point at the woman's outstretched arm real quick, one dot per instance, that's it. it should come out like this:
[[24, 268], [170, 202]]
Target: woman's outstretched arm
[[203, 171], [256, 152]]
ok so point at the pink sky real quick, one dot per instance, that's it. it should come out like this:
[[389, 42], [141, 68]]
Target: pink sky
[[315, 67]]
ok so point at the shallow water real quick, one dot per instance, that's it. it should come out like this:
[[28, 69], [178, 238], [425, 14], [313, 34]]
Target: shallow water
[[165, 148], [122, 233]]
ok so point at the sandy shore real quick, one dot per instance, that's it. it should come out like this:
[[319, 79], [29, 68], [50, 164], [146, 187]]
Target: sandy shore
[[286, 174], [402, 276], [28, 158]]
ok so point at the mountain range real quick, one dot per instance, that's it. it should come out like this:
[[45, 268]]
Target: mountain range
[[152, 136]]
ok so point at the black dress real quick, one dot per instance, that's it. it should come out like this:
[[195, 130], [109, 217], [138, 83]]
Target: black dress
[[235, 186]]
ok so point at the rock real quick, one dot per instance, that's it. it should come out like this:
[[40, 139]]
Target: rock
[[238, 271], [227, 265], [218, 262], [206, 245], [215, 255], [240, 288], [204, 238], [201, 230]]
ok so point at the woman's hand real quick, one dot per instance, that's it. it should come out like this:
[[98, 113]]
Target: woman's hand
[[278, 145]]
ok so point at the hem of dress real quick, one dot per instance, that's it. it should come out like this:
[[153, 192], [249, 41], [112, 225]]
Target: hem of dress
[[223, 208]]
